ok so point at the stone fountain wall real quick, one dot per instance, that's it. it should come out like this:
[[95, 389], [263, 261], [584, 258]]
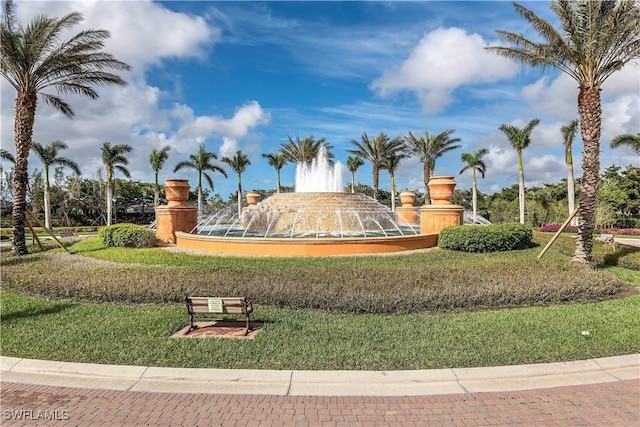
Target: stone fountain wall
[[333, 213]]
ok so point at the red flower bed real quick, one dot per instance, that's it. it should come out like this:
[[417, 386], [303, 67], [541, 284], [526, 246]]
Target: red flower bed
[[552, 228]]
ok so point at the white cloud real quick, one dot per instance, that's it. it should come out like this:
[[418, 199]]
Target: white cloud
[[245, 118], [229, 147], [444, 60], [142, 32]]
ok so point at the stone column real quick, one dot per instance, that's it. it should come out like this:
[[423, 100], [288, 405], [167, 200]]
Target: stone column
[[441, 213], [175, 215]]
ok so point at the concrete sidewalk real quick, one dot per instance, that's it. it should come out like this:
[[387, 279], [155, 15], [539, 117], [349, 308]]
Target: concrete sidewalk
[[320, 383]]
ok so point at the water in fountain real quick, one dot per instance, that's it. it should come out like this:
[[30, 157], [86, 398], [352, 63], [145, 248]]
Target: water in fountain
[[319, 176], [318, 208]]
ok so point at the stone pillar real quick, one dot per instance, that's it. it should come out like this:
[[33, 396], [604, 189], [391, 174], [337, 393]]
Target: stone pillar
[[441, 213], [175, 215], [407, 214]]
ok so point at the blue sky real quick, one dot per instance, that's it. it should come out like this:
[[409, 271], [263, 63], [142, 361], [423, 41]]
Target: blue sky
[[245, 75]]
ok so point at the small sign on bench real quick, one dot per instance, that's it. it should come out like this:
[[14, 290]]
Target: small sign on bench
[[215, 305]]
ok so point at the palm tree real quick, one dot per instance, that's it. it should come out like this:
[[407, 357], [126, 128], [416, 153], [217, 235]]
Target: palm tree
[[353, 163], [632, 141], [391, 163], [49, 156], [304, 150], [277, 161], [201, 161], [375, 150], [5, 155], [35, 59], [428, 148], [238, 163], [596, 39], [476, 163], [113, 157], [157, 158], [568, 134], [519, 140]]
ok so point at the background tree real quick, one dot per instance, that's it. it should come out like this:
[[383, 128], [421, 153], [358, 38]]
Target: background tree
[[5, 155], [519, 140], [391, 163], [201, 162], [238, 163], [568, 134], [49, 157], [428, 148], [114, 159], [476, 163], [304, 150], [375, 150], [157, 158], [596, 39], [630, 140], [276, 161], [33, 59], [353, 163]]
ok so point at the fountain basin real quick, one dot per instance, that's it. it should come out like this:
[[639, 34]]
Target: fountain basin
[[305, 247]]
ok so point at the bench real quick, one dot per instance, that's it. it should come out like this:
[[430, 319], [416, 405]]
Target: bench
[[608, 239], [67, 233], [201, 306]]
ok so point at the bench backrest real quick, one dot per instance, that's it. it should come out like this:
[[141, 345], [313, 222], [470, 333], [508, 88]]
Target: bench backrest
[[229, 305]]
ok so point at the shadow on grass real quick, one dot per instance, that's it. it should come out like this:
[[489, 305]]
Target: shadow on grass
[[612, 259], [30, 312]]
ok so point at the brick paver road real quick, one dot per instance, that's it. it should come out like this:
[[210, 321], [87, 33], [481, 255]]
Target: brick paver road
[[607, 404]]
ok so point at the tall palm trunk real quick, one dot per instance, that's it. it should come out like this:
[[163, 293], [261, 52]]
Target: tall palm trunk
[[156, 193], [474, 195], [590, 110], [239, 196], [426, 175], [376, 176], [571, 191], [25, 114], [47, 200], [109, 201], [278, 181], [199, 200], [521, 187], [393, 193]]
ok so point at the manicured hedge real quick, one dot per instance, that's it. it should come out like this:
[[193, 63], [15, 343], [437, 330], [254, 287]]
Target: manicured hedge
[[127, 235], [486, 238]]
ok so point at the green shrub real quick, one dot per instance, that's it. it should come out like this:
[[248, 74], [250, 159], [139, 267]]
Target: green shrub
[[488, 238], [127, 235]]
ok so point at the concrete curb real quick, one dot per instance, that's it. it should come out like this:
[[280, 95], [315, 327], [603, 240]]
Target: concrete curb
[[320, 383]]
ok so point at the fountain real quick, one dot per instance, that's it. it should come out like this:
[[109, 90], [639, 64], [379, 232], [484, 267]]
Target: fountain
[[317, 219]]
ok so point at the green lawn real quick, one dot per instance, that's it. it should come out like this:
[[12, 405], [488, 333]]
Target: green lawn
[[300, 339], [72, 308]]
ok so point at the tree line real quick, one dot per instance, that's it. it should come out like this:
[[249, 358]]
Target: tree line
[[34, 59]]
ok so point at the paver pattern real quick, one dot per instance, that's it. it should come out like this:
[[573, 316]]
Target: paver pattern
[[606, 404]]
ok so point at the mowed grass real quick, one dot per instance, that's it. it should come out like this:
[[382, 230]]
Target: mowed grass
[[305, 339], [423, 310], [427, 281]]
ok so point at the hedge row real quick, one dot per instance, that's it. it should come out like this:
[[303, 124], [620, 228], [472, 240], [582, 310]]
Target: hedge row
[[488, 238], [125, 235]]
